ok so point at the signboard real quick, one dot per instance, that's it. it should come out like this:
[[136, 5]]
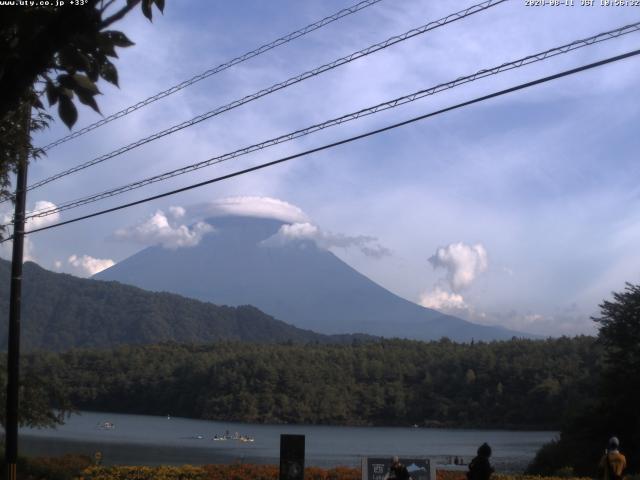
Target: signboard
[[379, 468], [291, 457]]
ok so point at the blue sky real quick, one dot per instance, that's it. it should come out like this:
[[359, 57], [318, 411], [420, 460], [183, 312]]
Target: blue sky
[[530, 200]]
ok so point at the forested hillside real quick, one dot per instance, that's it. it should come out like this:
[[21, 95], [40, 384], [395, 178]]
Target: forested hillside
[[61, 311], [518, 383]]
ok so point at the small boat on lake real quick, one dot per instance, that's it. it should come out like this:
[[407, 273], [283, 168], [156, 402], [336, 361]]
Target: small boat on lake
[[236, 436], [107, 425]]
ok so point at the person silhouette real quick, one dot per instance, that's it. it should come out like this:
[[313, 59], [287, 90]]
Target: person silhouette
[[613, 462], [398, 470], [480, 468]]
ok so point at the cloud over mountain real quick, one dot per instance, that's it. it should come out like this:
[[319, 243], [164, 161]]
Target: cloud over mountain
[[440, 299], [250, 206], [86, 265], [172, 230], [324, 239], [163, 229]]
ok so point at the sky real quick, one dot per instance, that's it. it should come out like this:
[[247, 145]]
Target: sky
[[521, 211]]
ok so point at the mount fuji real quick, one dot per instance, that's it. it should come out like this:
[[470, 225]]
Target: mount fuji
[[296, 282]]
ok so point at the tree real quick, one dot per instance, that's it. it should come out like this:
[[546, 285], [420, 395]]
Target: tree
[[619, 334], [613, 410], [44, 397], [59, 53]]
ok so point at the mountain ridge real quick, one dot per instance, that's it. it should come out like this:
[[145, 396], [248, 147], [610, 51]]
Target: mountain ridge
[[297, 282], [60, 311]]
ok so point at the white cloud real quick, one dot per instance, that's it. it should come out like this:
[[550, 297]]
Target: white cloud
[[86, 266], [307, 231], [36, 222], [299, 231], [177, 212], [561, 321], [508, 271], [509, 165], [462, 262], [39, 222], [32, 223], [6, 250], [251, 206], [57, 264], [442, 300], [158, 230]]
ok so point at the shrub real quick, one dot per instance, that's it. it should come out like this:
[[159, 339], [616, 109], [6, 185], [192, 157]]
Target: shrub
[[186, 472], [66, 467], [212, 472], [565, 472]]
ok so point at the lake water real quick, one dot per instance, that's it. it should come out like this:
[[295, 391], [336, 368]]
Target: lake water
[[149, 440]]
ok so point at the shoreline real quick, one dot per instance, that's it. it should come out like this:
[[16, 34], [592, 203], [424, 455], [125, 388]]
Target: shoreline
[[137, 454], [431, 426]]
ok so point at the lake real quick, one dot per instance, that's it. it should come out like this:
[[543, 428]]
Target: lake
[[152, 440]]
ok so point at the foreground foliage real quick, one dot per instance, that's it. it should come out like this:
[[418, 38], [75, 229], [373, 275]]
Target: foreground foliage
[[615, 396], [59, 53], [458, 475], [66, 467], [212, 472], [79, 467], [44, 398], [186, 472]]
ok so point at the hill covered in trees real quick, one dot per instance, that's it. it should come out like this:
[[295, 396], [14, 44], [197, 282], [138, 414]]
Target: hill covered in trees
[[61, 311], [513, 384]]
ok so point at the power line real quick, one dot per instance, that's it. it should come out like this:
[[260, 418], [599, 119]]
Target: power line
[[342, 119], [344, 141], [278, 86], [242, 58]]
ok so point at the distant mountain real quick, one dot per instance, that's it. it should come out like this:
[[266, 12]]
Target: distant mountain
[[296, 282], [61, 311]]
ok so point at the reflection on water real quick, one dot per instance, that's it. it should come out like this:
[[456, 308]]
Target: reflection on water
[[147, 440]]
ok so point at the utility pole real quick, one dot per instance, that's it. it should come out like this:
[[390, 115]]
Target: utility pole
[[13, 356]]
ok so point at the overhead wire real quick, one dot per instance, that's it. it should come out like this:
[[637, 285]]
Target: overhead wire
[[345, 141], [212, 71], [396, 102], [278, 86]]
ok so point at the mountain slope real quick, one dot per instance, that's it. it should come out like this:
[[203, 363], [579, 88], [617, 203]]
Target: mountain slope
[[60, 311], [297, 282]]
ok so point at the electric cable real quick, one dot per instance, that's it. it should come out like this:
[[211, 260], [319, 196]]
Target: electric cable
[[396, 102], [212, 71], [344, 141], [278, 86]]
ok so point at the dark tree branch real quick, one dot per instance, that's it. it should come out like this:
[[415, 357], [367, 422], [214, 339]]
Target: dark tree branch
[[104, 7], [119, 14]]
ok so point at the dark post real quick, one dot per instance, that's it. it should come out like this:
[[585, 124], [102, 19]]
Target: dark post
[[291, 457], [13, 356]]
